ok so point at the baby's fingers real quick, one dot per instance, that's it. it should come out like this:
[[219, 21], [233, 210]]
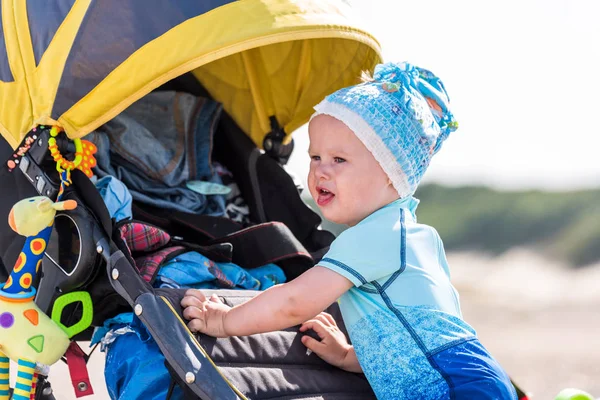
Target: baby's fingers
[[193, 312], [193, 298], [326, 319], [196, 325], [215, 299], [305, 326], [196, 293], [316, 326], [313, 344], [196, 316]]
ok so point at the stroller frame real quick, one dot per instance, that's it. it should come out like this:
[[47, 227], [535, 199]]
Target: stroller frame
[[155, 311], [105, 258]]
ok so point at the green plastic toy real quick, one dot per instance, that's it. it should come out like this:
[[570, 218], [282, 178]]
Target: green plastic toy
[[573, 394]]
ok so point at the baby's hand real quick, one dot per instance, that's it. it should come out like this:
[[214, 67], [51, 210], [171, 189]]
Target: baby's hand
[[333, 346], [206, 315]]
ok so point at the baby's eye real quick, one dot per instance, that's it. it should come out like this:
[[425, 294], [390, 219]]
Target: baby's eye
[[315, 158], [339, 160]]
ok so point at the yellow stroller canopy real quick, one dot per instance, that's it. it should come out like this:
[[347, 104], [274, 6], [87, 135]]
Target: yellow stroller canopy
[[79, 63]]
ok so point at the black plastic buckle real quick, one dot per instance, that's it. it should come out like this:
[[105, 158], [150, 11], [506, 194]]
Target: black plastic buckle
[[29, 158], [273, 143]]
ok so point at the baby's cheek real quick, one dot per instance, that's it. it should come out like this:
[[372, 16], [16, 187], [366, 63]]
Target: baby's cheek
[[310, 183]]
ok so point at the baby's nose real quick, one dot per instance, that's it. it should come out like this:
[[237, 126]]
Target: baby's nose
[[321, 174]]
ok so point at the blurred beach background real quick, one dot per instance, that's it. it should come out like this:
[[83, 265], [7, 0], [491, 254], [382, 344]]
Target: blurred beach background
[[515, 192]]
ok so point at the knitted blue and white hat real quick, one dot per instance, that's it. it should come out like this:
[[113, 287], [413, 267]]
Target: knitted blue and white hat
[[401, 116]]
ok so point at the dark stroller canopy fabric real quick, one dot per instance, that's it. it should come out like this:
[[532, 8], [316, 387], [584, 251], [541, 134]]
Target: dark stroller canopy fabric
[[79, 63]]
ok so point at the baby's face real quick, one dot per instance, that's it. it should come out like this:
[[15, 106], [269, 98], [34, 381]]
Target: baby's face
[[345, 180]]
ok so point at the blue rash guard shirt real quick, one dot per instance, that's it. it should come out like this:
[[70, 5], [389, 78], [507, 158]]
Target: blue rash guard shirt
[[403, 314]]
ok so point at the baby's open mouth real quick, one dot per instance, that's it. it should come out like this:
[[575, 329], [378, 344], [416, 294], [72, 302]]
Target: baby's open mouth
[[324, 197]]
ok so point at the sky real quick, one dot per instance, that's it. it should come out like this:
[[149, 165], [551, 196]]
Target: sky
[[524, 83]]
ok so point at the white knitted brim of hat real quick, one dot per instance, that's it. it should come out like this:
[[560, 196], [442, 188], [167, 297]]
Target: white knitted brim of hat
[[371, 140]]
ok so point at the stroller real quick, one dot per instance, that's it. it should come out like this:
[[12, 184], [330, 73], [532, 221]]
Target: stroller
[[68, 67]]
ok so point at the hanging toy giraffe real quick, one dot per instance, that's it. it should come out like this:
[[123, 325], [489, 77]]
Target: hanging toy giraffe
[[24, 328], [27, 335], [34, 219]]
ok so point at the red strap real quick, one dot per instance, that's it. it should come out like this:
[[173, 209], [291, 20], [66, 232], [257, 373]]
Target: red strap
[[78, 370], [34, 382]]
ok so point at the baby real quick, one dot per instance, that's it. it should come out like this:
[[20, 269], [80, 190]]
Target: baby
[[370, 145]]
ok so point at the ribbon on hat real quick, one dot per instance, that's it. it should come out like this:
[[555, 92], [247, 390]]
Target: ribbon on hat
[[420, 82]]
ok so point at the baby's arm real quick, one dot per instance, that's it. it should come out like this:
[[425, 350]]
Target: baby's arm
[[276, 308]]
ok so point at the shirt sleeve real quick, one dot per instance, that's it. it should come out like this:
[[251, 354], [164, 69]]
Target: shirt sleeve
[[441, 252], [363, 255]]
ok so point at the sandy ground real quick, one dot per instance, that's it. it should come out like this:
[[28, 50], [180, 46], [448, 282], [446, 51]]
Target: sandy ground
[[540, 320]]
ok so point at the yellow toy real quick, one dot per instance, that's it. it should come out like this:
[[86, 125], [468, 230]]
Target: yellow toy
[[27, 335]]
